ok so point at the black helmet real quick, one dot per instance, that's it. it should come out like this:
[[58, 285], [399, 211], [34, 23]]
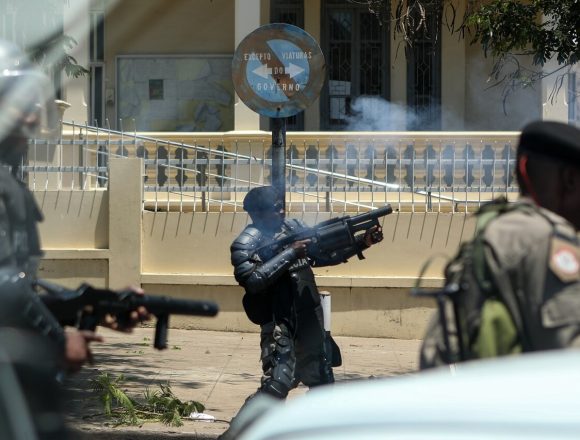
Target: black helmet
[[26, 102], [262, 198]]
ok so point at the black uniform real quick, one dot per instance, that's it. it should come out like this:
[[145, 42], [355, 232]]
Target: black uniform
[[31, 339], [19, 256], [32, 342], [282, 297]]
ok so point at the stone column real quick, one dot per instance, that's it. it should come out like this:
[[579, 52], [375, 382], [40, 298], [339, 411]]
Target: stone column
[[554, 94], [76, 90], [312, 20], [247, 20], [125, 221]]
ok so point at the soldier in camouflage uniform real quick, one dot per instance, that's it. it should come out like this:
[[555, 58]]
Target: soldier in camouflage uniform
[[518, 281]]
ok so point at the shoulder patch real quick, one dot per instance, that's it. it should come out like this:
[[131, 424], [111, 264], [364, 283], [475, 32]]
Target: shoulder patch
[[565, 260]]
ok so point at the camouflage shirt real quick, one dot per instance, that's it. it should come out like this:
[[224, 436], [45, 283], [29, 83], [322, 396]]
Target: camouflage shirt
[[533, 260]]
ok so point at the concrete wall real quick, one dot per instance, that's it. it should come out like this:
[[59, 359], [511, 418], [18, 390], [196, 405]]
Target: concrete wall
[[197, 244], [151, 27], [105, 238], [453, 71], [485, 107], [76, 90], [135, 26], [469, 100], [187, 254]]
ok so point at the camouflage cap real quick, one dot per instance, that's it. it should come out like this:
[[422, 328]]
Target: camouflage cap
[[554, 140], [263, 198]]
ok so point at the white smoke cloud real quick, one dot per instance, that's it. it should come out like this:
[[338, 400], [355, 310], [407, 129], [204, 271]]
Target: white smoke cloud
[[373, 113], [485, 108]]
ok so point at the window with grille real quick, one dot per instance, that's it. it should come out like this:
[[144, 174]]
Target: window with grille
[[97, 67], [357, 57], [424, 72]]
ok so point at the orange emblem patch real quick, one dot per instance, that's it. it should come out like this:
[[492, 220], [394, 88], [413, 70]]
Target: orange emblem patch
[[565, 260]]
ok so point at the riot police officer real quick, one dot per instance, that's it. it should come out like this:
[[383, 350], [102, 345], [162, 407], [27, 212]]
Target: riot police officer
[[45, 348], [282, 296], [27, 110]]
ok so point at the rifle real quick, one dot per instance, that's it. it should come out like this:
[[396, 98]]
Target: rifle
[[331, 235], [86, 307], [449, 291], [452, 327]]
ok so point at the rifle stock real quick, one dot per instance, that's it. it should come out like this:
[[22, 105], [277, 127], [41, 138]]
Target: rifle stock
[[87, 306]]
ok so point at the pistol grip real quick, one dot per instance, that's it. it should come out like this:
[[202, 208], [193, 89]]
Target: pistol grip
[[88, 321], [161, 326]]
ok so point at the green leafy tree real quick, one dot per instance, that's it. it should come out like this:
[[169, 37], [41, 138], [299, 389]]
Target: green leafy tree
[[52, 55], [540, 28]]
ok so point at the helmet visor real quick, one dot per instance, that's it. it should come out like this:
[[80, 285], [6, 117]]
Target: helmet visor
[[27, 106]]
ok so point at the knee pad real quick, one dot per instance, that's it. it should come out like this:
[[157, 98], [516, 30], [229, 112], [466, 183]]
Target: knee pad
[[281, 378], [279, 381], [275, 389]]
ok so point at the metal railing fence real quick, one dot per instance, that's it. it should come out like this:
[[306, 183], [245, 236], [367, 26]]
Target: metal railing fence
[[324, 171]]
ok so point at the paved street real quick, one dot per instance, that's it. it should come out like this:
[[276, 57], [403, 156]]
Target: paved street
[[219, 369]]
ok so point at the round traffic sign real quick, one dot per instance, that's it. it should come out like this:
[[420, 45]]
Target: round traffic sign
[[278, 70]]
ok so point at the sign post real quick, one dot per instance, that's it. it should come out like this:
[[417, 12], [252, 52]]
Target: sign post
[[278, 71], [279, 156]]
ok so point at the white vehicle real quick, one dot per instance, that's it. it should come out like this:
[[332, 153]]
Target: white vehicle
[[532, 396]]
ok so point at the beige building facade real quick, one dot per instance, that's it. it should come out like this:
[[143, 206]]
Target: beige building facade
[[162, 68], [444, 85]]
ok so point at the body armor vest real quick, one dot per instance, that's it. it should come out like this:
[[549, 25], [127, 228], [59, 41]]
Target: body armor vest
[[19, 240]]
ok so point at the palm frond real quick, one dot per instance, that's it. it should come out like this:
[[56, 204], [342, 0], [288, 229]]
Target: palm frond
[[157, 405]]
